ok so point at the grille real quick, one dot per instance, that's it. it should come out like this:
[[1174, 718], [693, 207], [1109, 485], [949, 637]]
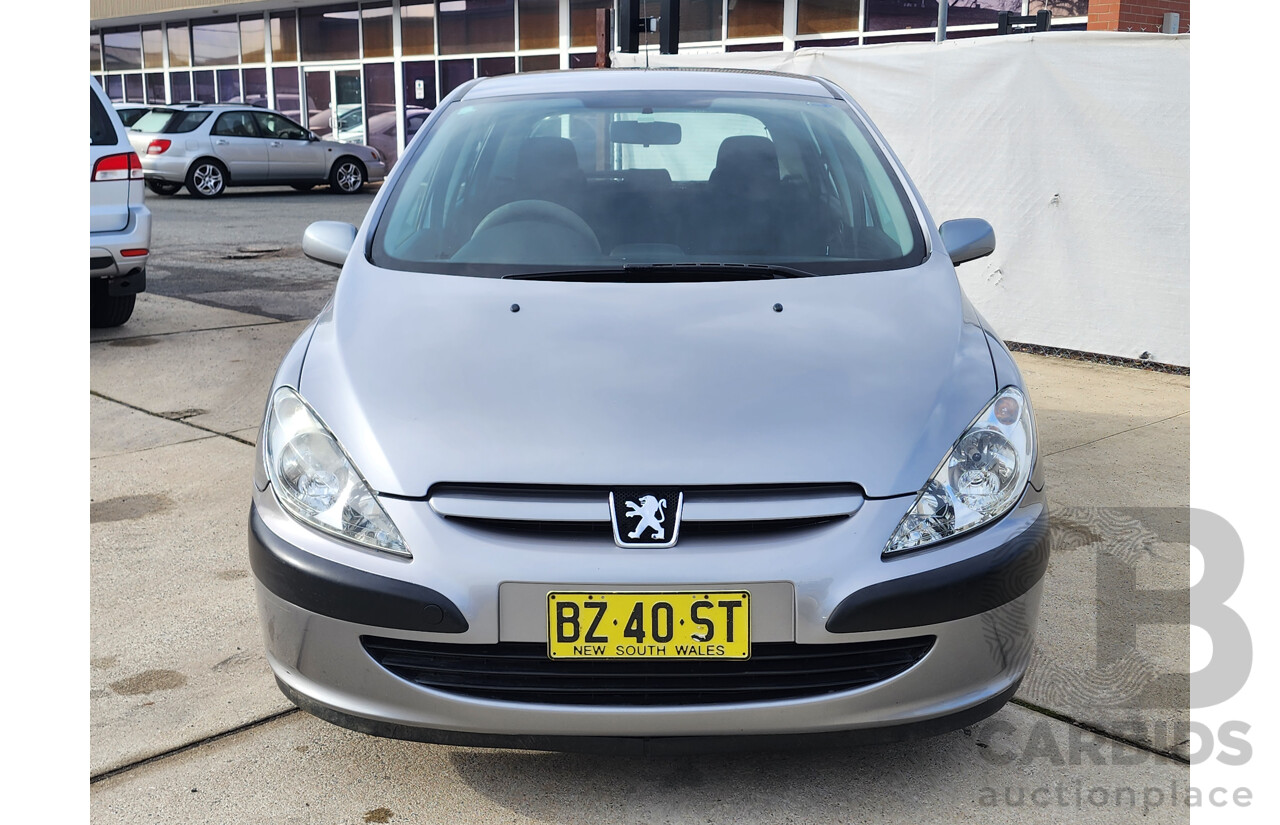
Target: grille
[[551, 511], [522, 672]]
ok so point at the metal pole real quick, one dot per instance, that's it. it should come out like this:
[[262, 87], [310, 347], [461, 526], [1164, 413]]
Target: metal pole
[[942, 21]]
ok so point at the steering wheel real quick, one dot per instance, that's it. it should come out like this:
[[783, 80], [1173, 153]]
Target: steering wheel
[[539, 212]]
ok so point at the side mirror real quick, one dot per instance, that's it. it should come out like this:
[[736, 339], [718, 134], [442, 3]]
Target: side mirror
[[312, 136], [328, 242], [967, 239]]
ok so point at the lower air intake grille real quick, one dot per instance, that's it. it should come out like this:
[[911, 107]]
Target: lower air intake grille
[[522, 672]]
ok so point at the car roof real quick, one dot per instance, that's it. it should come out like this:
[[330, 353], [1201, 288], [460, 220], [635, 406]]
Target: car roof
[[622, 80]]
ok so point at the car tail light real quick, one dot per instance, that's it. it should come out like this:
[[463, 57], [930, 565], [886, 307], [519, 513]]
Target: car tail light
[[133, 253], [126, 166], [158, 146]]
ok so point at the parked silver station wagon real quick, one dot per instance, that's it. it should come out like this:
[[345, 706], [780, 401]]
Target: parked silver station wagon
[[648, 413], [210, 147]]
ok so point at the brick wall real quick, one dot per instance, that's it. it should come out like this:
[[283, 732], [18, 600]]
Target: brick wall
[[1136, 15]]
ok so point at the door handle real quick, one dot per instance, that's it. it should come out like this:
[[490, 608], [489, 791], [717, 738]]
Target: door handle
[[220, 142], [275, 144]]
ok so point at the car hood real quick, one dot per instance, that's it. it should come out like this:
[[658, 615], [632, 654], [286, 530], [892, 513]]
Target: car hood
[[867, 378]]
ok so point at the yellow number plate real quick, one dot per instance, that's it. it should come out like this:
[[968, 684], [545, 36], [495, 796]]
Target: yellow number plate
[[700, 625]]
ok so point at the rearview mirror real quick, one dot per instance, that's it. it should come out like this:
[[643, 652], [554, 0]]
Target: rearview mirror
[[967, 239], [328, 242], [645, 132]]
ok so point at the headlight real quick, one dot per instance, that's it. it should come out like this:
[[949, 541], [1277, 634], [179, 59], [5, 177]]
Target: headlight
[[315, 481], [980, 479]]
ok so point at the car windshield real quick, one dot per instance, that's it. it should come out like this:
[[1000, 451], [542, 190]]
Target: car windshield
[[606, 181]]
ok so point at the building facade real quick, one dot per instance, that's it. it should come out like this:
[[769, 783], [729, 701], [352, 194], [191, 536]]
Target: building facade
[[370, 71]]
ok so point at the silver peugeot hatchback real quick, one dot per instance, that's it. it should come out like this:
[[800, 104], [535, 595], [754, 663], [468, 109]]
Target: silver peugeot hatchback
[[648, 413]]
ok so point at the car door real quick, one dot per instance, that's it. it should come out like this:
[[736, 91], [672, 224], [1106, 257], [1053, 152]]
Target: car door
[[241, 148], [294, 156]]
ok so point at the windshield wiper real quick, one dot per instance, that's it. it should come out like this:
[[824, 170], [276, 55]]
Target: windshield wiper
[[693, 272]]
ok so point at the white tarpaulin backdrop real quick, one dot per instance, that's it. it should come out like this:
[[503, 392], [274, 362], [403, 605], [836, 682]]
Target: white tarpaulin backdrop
[[1074, 145]]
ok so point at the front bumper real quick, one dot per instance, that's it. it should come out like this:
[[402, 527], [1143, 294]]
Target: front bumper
[[316, 604]]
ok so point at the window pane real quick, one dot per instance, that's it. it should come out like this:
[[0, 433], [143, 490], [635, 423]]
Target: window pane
[[330, 33], [229, 86], [469, 26], [582, 20], [95, 52], [828, 43], [202, 85], [122, 49], [1060, 8], [754, 47], [420, 84], [319, 98], [179, 45], [284, 37], [700, 20], [286, 82], [921, 37], [180, 87], [822, 16], [977, 12], [540, 63], [902, 14], [494, 66], [133, 88], [115, 87], [755, 18], [215, 43], [453, 73], [253, 39], [418, 27], [152, 47], [255, 87], [539, 24], [155, 88], [377, 30], [383, 128], [582, 60]]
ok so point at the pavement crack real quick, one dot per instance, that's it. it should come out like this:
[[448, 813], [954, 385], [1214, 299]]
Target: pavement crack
[[199, 743], [1122, 432], [1097, 731], [169, 417], [268, 321]]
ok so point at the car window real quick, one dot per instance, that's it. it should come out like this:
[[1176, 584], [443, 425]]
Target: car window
[[542, 182], [153, 121], [278, 126], [235, 124], [130, 116], [185, 122], [102, 132]]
